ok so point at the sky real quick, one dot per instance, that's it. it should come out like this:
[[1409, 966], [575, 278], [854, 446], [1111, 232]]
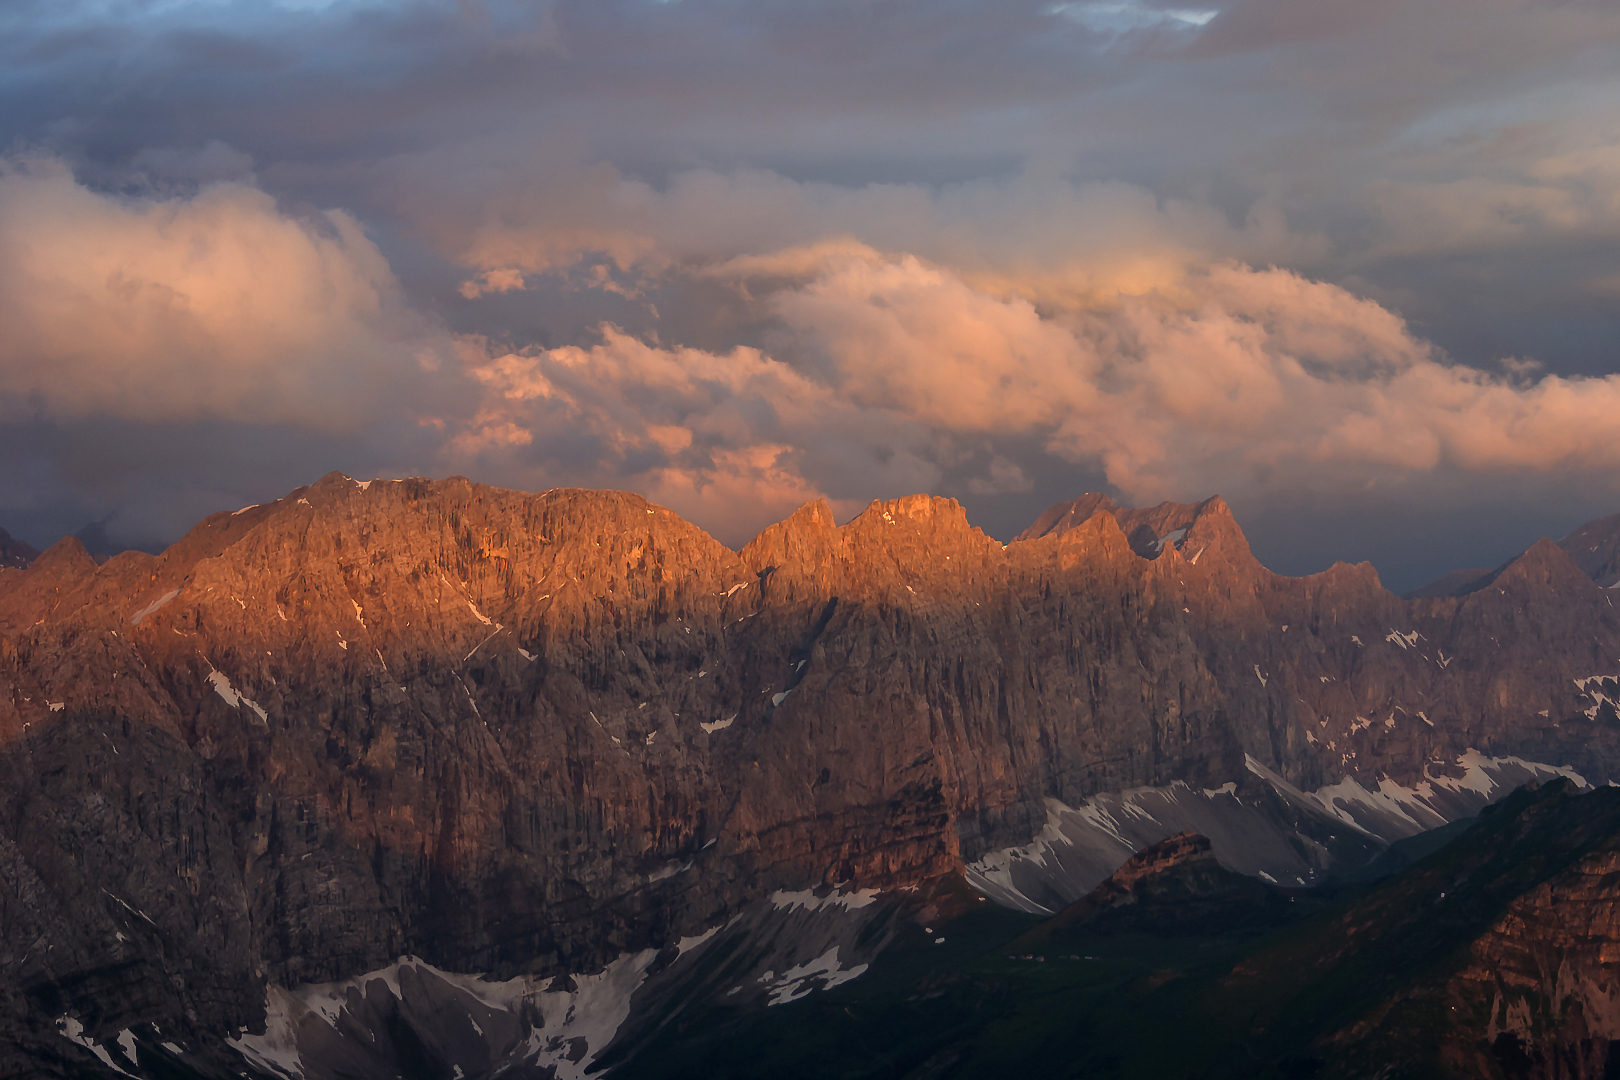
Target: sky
[[1353, 266]]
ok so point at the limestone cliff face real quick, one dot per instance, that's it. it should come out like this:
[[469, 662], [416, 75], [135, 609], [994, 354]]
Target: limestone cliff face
[[528, 733]]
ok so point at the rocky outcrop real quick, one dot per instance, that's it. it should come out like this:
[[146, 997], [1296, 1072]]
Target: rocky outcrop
[[1174, 887], [528, 735]]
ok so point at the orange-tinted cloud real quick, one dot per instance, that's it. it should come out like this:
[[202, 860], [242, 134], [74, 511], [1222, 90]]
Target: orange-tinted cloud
[[1231, 379], [215, 306]]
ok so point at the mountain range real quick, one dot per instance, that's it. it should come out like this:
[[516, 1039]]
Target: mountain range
[[430, 778]]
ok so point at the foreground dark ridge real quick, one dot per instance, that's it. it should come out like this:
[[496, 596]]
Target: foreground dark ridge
[[531, 733], [1489, 958]]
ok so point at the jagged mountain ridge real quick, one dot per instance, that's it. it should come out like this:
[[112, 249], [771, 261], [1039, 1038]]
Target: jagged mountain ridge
[[529, 734]]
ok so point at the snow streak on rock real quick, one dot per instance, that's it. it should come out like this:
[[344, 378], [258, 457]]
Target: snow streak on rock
[[1264, 827], [464, 1021]]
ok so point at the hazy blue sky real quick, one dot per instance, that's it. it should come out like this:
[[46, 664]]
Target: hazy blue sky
[[1355, 266]]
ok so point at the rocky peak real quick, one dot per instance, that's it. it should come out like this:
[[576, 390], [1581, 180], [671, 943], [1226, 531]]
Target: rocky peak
[[1208, 527], [798, 555], [1544, 566], [1213, 539], [906, 552], [50, 578], [1063, 516], [1595, 548]]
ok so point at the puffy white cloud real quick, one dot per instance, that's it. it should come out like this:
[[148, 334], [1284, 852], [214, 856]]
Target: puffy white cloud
[[216, 306]]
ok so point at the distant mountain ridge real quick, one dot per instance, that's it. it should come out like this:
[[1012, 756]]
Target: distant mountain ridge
[[15, 553], [1593, 547], [554, 737]]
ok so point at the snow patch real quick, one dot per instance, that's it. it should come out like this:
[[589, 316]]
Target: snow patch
[[1078, 847], [73, 1031], [797, 982], [1424, 805], [687, 944], [245, 509], [668, 870], [1603, 690], [572, 1029], [997, 873], [719, 725], [223, 687], [153, 606], [1405, 641], [1175, 536], [809, 901]]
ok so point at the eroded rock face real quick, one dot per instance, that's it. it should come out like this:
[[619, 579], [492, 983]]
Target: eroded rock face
[[527, 734]]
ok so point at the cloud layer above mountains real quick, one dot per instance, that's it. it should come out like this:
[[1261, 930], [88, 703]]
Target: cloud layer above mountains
[[1356, 259]]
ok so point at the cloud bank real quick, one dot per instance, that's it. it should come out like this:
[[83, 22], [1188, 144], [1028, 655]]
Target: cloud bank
[[738, 255], [885, 372]]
